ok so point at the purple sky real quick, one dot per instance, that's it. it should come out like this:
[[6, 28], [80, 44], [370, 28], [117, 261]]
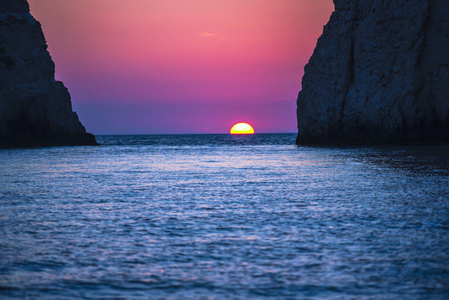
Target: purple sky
[[177, 66]]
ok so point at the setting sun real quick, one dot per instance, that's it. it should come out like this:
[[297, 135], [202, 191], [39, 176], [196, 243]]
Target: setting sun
[[242, 128]]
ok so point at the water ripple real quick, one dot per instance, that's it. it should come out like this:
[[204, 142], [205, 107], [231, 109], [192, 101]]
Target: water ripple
[[223, 217]]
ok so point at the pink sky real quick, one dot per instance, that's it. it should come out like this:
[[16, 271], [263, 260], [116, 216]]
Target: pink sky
[[182, 66]]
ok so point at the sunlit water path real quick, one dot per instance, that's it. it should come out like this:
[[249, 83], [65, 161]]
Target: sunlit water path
[[221, 216]]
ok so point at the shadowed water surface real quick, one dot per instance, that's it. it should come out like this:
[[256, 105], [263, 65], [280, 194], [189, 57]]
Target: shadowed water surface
[[220, 216]]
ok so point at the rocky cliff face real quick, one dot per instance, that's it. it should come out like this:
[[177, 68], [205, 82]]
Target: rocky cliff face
[[379, 75], [35, 110]]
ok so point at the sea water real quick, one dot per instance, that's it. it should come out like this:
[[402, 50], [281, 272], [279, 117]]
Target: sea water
[[224, 217]]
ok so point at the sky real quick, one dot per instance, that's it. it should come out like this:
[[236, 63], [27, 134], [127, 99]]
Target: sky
[[182, 66]]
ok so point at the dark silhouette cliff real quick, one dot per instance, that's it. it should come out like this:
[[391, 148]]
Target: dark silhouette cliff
[[379, 75], [35, 110]]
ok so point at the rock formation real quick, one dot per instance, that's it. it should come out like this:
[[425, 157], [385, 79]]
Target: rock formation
[[35, 110], [379, 75]]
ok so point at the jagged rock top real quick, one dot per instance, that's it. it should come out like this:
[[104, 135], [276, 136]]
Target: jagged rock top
[[378, 75], [35, 110]]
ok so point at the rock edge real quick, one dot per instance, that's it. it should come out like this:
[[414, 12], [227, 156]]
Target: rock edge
[[35, 110], [379, 75]]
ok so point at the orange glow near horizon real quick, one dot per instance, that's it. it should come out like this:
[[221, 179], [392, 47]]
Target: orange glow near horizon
[[242, 128]]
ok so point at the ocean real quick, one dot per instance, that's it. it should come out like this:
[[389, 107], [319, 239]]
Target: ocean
[[224, 217]]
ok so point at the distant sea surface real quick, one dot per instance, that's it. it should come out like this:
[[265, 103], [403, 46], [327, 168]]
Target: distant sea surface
[[224, 217]]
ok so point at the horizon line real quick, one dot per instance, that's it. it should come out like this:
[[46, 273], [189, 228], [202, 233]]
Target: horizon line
[[124, 134]]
